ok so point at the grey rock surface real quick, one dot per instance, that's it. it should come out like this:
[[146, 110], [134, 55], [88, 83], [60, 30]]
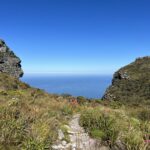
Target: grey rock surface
[[9, 62]]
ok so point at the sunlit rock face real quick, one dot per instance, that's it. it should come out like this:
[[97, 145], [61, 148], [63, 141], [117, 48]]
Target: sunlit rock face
[[9, 62], [131, 83]]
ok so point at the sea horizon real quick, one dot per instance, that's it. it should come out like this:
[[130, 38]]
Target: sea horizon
[[87, 85]]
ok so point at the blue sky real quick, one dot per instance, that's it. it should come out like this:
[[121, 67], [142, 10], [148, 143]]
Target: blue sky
[[76, 36]]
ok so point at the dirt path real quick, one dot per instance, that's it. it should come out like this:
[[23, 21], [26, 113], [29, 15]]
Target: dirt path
[[79, 139]]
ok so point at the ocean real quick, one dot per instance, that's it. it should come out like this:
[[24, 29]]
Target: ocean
[[90, 86]]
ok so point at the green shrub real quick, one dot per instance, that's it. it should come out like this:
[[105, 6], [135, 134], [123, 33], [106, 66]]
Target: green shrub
[[67, 110], [134, 140], [66, 95], [100, 125], [98, 134], [144, 115], [32, 144], [115, 104], [81, 100], [12, 127]]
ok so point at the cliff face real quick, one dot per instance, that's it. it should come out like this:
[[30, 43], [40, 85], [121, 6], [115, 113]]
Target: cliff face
[[131, 83], [9, 62]]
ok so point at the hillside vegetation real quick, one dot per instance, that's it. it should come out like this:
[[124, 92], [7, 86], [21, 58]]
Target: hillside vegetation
[[30, 119], [131, 84], [119, 128]]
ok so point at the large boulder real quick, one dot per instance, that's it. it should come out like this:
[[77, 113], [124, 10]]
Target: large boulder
[[9, 62], [131, 83]]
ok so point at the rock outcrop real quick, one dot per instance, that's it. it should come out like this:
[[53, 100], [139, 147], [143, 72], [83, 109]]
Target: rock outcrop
[[131, 83], [9, 62]]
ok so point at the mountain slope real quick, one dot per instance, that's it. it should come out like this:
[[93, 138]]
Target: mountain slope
[[131, 83]]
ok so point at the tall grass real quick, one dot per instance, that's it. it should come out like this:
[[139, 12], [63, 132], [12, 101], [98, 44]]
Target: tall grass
[[30, 119], [113, 126]]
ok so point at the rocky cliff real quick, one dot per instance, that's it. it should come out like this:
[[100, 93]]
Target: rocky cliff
[[9, 62], [131, 83]]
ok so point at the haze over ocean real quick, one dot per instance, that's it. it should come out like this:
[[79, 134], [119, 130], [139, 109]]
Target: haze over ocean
[[90, 86]]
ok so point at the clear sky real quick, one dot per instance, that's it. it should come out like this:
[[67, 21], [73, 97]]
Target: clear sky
[[76, 36]]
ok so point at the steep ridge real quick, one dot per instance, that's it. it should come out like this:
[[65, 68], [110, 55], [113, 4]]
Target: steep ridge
[[131, 83]]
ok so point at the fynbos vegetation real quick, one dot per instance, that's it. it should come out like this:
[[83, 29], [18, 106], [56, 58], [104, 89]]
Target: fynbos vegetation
[[131, 84], [31, 119]]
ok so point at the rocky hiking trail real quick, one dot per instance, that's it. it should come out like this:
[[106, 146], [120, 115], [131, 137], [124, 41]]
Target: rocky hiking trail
[[79, 139]]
